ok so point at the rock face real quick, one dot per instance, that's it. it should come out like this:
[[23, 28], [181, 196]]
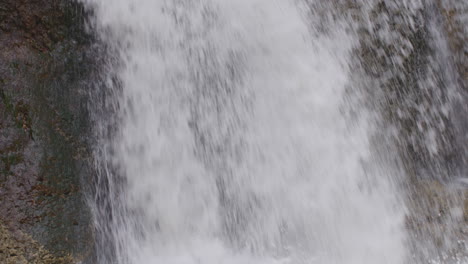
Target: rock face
[[26, 250], [44, 58], [415, 58], [411, 59]]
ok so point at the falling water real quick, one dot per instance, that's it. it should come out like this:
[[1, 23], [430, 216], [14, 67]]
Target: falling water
[[238, 136]]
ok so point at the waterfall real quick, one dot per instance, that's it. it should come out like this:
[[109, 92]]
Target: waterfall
[[236, 133]]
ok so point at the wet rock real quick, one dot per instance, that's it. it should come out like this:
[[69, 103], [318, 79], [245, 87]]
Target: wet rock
[[21, 248], [438, 220], [411, 78], [44, 52]]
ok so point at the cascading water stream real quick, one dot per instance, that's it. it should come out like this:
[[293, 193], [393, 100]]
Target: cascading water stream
[[237, 139]]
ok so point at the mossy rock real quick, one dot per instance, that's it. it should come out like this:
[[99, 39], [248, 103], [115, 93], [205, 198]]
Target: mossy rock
[[21, 248]]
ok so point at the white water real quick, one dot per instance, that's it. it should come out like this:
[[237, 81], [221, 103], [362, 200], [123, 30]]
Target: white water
[[233, 140]]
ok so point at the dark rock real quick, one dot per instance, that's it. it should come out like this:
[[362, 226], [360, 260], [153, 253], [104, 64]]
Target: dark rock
[[45, 56]]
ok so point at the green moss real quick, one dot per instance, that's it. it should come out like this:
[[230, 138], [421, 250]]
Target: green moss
[[6, 100], [11, 160]]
